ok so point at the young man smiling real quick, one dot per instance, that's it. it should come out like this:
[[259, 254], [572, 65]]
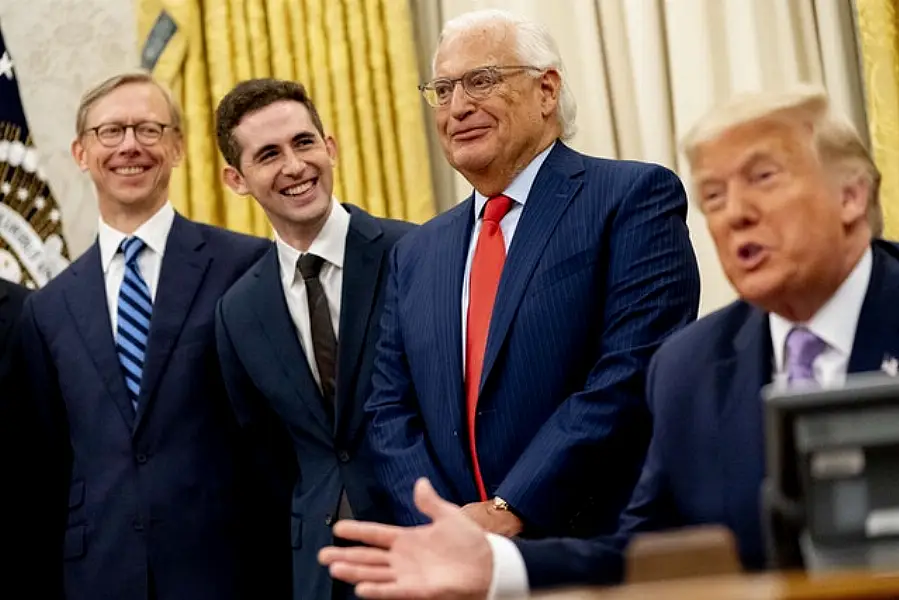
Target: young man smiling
[[297, 333], [144, 478]]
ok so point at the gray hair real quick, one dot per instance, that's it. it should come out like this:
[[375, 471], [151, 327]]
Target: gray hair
[[535, 47], [836, 139]]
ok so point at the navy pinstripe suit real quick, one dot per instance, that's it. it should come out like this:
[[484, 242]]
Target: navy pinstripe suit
[[599, 272]]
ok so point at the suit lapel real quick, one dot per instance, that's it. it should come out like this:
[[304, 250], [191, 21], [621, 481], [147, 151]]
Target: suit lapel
[[738, 381], [550, 195], [877, 333], [361, 273], [448, 276], [183, 269], [278, 326], [87, 302]]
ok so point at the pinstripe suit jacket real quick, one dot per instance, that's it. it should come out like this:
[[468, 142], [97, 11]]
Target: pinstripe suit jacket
[[599, 272]]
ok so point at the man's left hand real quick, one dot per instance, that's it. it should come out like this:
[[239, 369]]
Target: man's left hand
[[493, 520]]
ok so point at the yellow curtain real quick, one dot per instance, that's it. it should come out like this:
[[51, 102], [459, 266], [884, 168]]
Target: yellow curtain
[[879, 39], [356, 59]]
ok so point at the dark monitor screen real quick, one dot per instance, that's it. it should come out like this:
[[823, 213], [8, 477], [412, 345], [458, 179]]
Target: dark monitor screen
[[832, 457]]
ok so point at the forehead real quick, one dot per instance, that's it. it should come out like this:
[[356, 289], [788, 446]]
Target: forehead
[[477, 47], [130, 102], [275, 123], [784, 141]]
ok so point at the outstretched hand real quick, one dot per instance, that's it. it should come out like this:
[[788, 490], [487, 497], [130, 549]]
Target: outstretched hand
[[447, 559]]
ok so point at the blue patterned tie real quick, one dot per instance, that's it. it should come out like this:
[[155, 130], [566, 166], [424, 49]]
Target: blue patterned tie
[[134, 310]]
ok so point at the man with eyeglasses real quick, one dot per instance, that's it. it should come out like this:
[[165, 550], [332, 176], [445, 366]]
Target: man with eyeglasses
[[147, 487], [519, 325]]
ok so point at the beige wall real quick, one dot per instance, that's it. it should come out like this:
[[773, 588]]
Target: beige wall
[[59, 48]]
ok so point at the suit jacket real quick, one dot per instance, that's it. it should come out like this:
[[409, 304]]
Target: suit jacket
[[599, 272], [266, 370], [153, 496], [706, 461], [14, 415]]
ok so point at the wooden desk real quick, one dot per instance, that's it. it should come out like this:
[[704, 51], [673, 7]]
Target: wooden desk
[[769, 586]]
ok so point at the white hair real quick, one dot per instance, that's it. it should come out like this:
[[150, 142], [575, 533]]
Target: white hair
[[835, 138], [534, 47]]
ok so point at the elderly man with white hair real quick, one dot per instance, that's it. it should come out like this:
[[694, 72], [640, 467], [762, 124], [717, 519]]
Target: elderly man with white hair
[[790, 196], [518, 326]]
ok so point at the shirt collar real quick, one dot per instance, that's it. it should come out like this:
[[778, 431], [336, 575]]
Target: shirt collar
[[836, 321], [154, 232], [330, 244], [520, 188]]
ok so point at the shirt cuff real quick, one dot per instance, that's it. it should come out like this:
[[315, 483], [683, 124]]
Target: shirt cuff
[[510, 576]]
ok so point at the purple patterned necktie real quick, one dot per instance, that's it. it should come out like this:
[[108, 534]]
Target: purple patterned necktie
[[803, 347]]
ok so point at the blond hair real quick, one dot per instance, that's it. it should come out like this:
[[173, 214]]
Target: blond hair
[[106, 87], [835, 139]]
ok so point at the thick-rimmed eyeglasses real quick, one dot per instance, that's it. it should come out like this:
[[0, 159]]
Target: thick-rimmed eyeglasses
[[112, 134], [477, 83]]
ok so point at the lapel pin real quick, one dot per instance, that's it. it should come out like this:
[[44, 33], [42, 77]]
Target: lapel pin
[[890, 366]]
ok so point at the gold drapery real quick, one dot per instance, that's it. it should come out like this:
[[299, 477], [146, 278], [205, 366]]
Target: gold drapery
[[356, 59], [879, 39]]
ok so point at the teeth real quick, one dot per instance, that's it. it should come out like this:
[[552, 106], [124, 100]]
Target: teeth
[[130, 170], [296, 190]]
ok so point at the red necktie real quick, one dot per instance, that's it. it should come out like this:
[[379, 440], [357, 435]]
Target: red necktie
[[486, 268]]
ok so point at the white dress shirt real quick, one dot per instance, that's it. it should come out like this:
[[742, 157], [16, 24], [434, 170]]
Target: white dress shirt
[[329, 244], [154, 232], [835, 323], [518, 191]]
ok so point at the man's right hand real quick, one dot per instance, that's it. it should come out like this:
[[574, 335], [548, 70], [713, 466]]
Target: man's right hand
[[447, 559]]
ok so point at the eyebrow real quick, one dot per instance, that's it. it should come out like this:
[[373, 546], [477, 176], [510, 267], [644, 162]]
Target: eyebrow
[[299, 137]]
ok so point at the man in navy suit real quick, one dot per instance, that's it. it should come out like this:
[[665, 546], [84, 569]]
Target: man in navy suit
[[790, 196], [142, 455], [296, 334], [518, 326]]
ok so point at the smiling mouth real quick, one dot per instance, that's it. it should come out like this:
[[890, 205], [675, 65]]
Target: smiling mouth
[[300, 188], [132, 170], [469, 134]]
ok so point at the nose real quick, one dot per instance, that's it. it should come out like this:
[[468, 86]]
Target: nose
[[741, 209], [129, 143], [460, 103], [293, 163]]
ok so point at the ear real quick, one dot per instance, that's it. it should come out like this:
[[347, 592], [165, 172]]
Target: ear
[[78, 154], [234, 180], [550, 89], [331, 145], [854, 193], [179, 149]]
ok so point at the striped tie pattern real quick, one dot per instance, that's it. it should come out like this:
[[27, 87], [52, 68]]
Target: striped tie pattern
[[135, 306]]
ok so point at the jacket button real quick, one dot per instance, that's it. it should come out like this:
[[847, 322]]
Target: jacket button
[[138, 526], [329, 520], [141, 459], [343, 456]]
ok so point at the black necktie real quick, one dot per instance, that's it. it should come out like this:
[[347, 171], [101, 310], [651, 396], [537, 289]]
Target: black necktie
[[324, 343]]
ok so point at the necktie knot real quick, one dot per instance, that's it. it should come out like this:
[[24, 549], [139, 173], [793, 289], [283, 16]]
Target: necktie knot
[[496, 208], [131, 247], [803, 347], [310, 266]]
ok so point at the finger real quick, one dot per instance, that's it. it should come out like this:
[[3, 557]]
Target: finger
[[430, 503], [360, 556], [373, 534], [361, 573], [387, 591]]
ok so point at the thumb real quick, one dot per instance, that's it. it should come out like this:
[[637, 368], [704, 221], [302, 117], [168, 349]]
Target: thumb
[[430, 503]]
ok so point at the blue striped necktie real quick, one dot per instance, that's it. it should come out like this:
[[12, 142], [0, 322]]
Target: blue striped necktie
[[135, 307]]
